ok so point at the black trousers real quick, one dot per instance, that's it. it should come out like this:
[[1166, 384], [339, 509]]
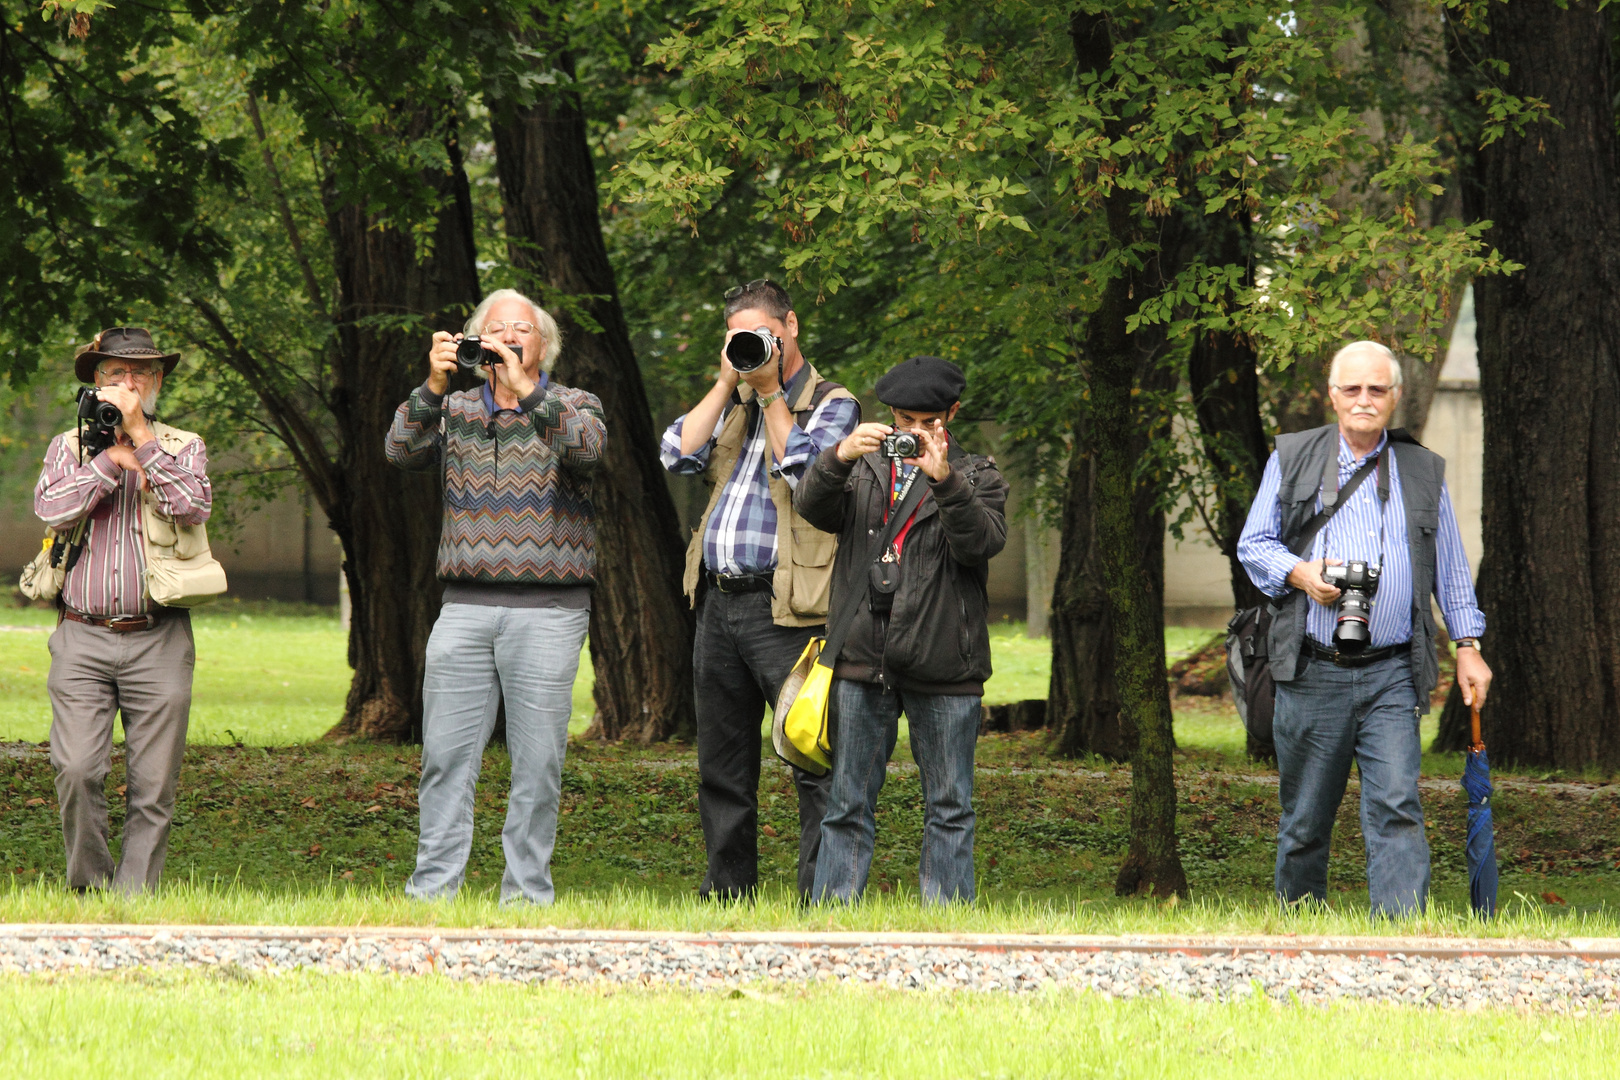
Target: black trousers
[[740, 660]]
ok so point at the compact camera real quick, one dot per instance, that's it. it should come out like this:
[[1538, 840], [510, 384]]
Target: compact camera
[[902, 444], [1357, 582], [749, 349], [472, 354]]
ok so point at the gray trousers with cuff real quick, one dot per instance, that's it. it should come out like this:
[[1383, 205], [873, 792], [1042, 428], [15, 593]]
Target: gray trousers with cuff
[[476, 656], [96, 674]]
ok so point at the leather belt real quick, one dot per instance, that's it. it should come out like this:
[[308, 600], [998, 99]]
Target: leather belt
[[740, 583], [118, 624], [1353, 660]]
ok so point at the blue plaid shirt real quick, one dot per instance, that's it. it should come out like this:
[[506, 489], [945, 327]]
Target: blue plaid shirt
[[741, 537], [1354, 534]]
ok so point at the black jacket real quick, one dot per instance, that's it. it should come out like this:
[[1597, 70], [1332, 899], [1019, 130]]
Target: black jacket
[[935, 640]]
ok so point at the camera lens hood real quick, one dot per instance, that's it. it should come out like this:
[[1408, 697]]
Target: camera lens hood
[[750, 349]]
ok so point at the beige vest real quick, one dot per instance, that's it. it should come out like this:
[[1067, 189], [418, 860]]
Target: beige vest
[[180, 567], [804, 554]]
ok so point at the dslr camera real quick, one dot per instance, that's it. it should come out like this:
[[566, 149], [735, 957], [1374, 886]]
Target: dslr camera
[[98, 420], [472, 353], [902, 444], [1357, 582], [749, 349]]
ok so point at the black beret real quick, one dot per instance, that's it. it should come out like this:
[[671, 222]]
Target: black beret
[[923, 383]]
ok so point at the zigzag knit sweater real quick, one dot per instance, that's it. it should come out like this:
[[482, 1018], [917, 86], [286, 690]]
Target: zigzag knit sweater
[[517, 499]]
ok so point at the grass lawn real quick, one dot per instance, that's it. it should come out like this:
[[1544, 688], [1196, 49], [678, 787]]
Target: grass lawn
[[285, 820], [369, 1026]]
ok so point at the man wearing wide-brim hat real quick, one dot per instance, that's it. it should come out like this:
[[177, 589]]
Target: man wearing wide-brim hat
[[114, 648]]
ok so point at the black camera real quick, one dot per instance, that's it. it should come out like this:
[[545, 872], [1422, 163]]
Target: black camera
[[1357, 582], [749, 349], [98, 419], [902, 444], [472, 354]]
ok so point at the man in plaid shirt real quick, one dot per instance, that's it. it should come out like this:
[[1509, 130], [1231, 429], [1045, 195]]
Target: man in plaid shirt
[[758, 574]]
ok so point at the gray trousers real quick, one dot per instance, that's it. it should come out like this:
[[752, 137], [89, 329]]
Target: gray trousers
[[476, 656], [145, 676]]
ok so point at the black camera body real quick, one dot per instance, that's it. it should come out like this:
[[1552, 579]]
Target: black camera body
[[748, 350], [898, 445], [472, 354], [98, 420], [1357, 583]]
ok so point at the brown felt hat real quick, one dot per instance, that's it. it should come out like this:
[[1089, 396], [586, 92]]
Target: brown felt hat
[[121, 343]]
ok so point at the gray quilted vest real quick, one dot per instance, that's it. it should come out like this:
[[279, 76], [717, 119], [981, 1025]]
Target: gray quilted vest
[[1302, 457]]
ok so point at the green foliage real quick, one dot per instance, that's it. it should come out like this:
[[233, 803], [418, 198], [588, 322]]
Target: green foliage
[[101, 167]]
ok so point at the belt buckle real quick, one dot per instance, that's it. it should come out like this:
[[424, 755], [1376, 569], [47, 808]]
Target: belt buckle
[[1342, 659]]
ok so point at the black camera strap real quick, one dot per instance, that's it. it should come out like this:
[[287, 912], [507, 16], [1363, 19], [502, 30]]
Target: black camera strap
[[1334, 497], [838, 626]]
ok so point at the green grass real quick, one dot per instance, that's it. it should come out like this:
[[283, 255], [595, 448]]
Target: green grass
[[267, 675], [228, 1024]]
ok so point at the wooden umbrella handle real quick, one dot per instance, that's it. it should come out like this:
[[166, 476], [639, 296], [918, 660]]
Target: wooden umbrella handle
[[1476, 745]]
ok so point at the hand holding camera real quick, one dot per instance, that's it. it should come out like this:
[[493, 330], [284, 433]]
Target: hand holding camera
[[472, 352]]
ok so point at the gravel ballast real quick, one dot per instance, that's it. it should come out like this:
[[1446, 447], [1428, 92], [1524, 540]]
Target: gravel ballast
[[1560, 980]]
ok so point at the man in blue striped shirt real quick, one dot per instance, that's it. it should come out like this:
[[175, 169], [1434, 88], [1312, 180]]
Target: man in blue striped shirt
[[1334, 705], [758, 573]]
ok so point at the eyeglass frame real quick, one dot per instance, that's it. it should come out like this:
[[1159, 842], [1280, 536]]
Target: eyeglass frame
[[499, 326], [737, 290], [144, 375], [1376, 391]]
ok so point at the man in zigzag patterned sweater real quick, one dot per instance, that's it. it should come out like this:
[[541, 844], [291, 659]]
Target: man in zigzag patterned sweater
[[517, 558]]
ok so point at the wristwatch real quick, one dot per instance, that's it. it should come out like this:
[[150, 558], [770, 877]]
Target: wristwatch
[[1467, 643], [766, 400]]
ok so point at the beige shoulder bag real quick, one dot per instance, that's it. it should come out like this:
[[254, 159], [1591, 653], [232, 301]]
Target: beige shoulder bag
[[181, 570]]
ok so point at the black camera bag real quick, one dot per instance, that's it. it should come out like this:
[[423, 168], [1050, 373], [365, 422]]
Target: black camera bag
[[1248, 635]]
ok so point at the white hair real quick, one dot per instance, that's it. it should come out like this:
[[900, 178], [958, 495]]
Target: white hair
[[1365, 346], [550, 335]]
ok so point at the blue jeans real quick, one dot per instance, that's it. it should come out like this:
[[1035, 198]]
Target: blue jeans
[[475, 656], [1326, 718], [944, 731]]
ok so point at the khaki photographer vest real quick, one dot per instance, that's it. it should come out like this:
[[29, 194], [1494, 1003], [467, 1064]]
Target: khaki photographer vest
[[802, 585], [181, 570]]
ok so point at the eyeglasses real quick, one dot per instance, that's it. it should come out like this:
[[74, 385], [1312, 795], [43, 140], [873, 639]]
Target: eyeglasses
[[500, 327], [1374, 390], [737, 290], [114, 374]]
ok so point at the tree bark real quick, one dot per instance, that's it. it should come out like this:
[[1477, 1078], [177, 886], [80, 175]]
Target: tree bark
[[1549, 359], [1153, 863], [641, 624], [389, 520]]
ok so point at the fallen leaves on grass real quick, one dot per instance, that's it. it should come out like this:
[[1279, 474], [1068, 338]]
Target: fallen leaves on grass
[[35, 802], [768, 831], [309, 803], [1552, 898], [374, 809]]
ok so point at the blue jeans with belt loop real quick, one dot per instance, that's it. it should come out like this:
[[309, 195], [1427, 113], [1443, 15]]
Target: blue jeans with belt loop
[[1325, 719], [476, 656], [944, 731]]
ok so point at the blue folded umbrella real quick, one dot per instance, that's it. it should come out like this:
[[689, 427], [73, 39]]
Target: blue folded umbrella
[[1481, 846]]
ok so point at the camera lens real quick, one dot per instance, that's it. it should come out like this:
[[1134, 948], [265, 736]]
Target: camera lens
[[470, 352], [108, 414], [748, 350]]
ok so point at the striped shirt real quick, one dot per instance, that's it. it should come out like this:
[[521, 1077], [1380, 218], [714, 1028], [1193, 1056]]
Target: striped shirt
[[110, 576], [1353, 534], [741, 537]]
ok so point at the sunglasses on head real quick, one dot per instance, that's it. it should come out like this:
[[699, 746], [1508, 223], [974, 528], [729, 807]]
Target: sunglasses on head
[[737, 290]]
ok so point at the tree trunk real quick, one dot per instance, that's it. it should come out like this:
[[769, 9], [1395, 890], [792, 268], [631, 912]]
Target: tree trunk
[[1223, 372], [1082, 703], [389, 520], [1152, 864], [1549, 359], [641, 625]]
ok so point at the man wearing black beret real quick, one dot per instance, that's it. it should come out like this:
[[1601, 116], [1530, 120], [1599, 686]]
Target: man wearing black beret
[[919, 643]]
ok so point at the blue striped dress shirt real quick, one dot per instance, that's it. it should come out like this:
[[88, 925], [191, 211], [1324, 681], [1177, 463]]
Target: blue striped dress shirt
[[1353, 534]]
